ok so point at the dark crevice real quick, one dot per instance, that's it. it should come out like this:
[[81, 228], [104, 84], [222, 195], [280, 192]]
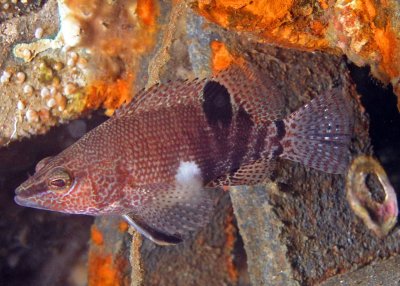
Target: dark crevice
[[381, 105]]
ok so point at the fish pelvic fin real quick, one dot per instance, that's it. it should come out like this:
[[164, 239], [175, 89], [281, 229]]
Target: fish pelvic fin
[[168, 214], [158, 237], [318, 134]]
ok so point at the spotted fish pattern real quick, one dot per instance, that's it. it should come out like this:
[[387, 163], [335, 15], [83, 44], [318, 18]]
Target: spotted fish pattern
[[156, 160]]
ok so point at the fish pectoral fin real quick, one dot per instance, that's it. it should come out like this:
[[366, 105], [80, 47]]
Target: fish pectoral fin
[[168, 214], [249, 174], [154, 235]]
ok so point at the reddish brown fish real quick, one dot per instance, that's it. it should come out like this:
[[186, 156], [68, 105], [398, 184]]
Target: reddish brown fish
[[154, 160]]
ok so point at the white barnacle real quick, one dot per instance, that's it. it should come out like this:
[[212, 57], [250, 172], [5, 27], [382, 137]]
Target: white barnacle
[[20, 105], [51, 103], [5, 77], [28, 89], [44, 92], [39, 33], [26, 54], [20, 77], [32, 116], [70, 88]]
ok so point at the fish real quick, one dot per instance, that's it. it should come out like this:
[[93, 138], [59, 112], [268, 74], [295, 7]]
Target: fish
[[156, 161]]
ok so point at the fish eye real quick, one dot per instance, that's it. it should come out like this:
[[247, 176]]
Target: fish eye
[[59, 179], [59, 183]]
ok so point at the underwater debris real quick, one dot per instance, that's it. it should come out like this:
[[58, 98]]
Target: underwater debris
[[379, 216]]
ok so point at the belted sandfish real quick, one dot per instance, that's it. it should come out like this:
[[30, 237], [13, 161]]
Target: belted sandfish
[[155, 160]]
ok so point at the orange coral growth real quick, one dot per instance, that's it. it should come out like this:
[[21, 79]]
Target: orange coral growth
[[106, 264], [147, 11], [102, 272], [366, 31], [230, 234], [273, 21], [123, 226], [117, 34], [245, 15], [108, 95], [96, 235], [220, 56], [323, 4], [389, 46], [318, 28], [369, 8]]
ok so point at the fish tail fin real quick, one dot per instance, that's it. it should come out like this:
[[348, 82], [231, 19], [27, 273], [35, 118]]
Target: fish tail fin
[[318, 134]]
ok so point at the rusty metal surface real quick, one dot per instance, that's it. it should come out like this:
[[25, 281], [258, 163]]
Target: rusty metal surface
[[260, 229], [380, 273]]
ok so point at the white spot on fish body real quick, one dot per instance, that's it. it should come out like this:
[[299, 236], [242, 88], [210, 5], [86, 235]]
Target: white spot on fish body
[[189, 175]]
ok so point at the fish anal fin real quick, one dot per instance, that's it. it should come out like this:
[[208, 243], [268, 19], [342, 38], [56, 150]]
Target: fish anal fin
[[248, 174]]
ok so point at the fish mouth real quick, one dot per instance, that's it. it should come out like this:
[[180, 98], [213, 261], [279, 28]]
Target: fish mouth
[[26, 191], [25, 202], [21, 198]]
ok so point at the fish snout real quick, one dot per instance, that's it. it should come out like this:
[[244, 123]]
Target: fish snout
[[23, 197], [20, 196], [19, 190], [28, 188], [26, 202]]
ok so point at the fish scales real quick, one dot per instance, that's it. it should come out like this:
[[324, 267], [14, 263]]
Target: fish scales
[[156, 160]]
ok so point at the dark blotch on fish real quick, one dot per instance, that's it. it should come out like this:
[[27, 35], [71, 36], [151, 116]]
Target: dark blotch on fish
[[217, 103]]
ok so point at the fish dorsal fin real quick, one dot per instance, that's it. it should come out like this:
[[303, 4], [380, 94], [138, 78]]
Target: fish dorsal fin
[[254, 92], [249, 174], [164, 95], [168, 213]]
